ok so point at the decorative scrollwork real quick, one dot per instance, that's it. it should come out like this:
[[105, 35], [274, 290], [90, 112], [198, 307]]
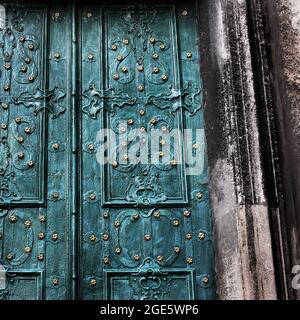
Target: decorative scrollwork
[[40, 99]]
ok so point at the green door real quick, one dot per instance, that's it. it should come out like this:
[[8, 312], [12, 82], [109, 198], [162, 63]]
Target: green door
[[103, 170]]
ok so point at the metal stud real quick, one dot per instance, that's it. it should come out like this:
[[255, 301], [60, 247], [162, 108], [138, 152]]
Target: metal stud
[[117, 223], [188, 236], [136, 257], [142, 112], [175, 223], [18, 120], [40, 257], [135, 216], [130, 122], [105, 214], [126, 41], [105, 237], [22, 38], [117, 250], [54, 237], [164, 129], [4, 126], [55, 282], [155, 70], [140, 68], [27, 130], [205, 280], [55, 195], [21, 155], [123, 144], [93, 282], [89, 14], [116, 76], [27, 224], [30, 163], [199, 195], [4, 106], [92, 196], [187, 213], [91, 147], [189, 260], [159, 258], [195, 146], [157, 215], [55, 146], [119, 58], [114, 47], [124, 69], [20, 139], [184, 13], [152, 40], [42, 219], [6, 87], [56, 55], [147, 237], [140, 88], [41, 235], [27, 60], [153, 121], [23, 68], [155, 56], [90, 56], [177, 250], [164, 77], [27, 249], [173, 163], [123, 129], [114, 164], [10, 256], [161, 154], [106, 260], [30, 47], [189, 54], [56, 15], [142, 129], [93, 238], [162, 46], [7, 66], [162, 142], [201, 235], [12, 218]]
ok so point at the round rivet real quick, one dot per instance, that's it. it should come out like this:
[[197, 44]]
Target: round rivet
[[155, 56], [135, 216], [42, 218], [114, 47], [10, 256], [152, 40], [27, 60], [117, 250], [23, 68], [201, 235], [22, 38], [90, 56], [175, 223], [4, 126], [30, 47], [195, 146], [56, 55], [55, 146], [147, 237], [27, 249], [106, 260], [20, 139], [93, 282], [18, 120], [92, 196], [161, 154], [126, 41], [184, 13], [188, 236], [27, 224], [55, 195], [157, 214], [54, 236], [114, 164], [119, 58], [123, 129], [6, 87], [56, 14], [176, 249], [189, 260], [4, 106], [21, 155], [205, 280], [162, 46], [140, 68], [89, 14], [105, 237], [130, 122], [13, 218], [7, 66], [164, 77], [55, 282], [142, 112], [93, 238], [27, 130], [91, 147], [162, 142], [124, 69], [159, 258], [105, 214], [155, 70], [153, 121], [116, 76], [164, 129], [40, 257], [123, 144], [125, 157], [41, 235], [189, 54], [117, 223], [136, 257], [199, 195], [142, 129], [187, 213], [173, 163], [140, 88]]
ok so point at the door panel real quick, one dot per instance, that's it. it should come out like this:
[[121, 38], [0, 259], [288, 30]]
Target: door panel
[[71, 226]]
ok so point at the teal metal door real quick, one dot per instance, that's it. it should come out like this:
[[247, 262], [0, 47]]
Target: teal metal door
[[101, 126]]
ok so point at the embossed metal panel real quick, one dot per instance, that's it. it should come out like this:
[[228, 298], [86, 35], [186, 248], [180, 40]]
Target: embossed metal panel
[[71, 227]]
